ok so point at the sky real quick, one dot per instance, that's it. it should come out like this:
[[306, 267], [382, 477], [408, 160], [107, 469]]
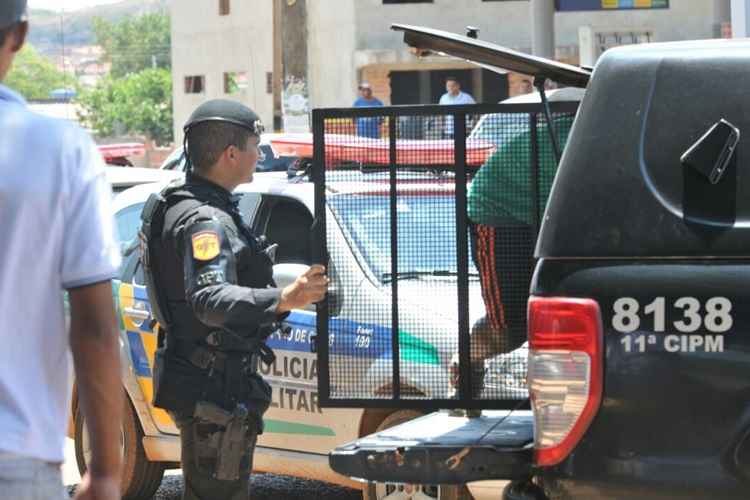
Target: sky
[[66, 4]]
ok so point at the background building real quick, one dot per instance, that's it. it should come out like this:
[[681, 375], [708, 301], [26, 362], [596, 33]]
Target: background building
[[297, 54], [221, 48]]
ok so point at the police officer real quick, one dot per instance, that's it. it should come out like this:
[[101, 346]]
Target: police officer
[[210, 284]]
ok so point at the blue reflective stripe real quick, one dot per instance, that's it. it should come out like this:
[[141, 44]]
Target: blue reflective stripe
[[346, 337], [356, 339], [138, 353], [140, 293], [299, 338]]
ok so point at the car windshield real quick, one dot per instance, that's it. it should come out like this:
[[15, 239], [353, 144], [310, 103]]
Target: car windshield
[[426, 233], [175, 161], [499, 128]]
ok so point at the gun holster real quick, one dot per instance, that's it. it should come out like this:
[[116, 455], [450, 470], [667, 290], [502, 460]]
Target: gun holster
[[228, 444]]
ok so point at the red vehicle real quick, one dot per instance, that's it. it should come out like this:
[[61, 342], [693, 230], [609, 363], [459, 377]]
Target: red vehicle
[[120, 154]]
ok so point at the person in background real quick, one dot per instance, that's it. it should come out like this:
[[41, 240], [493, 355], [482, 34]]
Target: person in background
[[453, 95], [368, 126], [58, 235]]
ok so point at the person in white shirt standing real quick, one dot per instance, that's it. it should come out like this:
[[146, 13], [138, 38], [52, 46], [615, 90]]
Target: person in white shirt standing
[[56, 234], [454, 95]]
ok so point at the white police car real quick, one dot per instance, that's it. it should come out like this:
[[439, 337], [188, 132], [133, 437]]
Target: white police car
[[298, 433]]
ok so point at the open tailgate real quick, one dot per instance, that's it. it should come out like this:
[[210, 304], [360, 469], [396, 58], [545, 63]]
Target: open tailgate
[[489, 54], [442, 448]]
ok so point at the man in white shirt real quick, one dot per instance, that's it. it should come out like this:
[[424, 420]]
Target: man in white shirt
[[453, 96], [56, 234]]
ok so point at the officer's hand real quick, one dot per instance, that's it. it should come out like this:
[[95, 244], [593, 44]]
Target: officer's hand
[[98, 488], [307, 289]]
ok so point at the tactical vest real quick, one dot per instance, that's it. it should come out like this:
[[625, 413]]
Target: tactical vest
[[185, 357]]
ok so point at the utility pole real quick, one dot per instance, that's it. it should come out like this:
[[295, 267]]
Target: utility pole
[[740, 18], [542, 13]]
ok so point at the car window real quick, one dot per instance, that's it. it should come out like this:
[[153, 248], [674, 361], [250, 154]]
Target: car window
[[138, 277], [499, 128], [175, 161], [128, 221], [267, 151], [248, 205], [130, 261], [288, 222], [128, 224]]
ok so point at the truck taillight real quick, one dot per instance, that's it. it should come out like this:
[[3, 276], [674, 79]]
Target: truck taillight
[[565, 373]]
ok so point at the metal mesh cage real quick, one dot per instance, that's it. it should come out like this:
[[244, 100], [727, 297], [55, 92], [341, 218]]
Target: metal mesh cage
[[431, 214]]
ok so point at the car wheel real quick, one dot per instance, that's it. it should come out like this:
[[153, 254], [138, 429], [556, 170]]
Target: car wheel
[[387, 491], [140, 477]]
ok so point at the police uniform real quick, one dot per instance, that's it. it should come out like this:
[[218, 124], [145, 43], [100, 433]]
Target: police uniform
[[211, 281]]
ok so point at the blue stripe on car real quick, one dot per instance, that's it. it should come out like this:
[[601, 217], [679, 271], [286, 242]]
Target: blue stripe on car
[[138, 353]]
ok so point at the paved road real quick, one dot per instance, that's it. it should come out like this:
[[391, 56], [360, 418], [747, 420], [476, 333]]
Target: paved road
[[267, 486], [264, 486]]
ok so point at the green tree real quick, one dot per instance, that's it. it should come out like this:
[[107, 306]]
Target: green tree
[[140, 103], [34, 76], [135, 44]]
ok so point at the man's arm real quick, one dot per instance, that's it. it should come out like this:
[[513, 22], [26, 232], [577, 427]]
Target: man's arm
[[308, 288], [210, 277], [215, 297], [94, 343]]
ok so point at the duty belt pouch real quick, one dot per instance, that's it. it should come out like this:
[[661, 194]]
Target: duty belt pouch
[[178, 385]]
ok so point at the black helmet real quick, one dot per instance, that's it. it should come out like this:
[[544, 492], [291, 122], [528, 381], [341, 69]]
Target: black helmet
[[224, 110], [11, 12]]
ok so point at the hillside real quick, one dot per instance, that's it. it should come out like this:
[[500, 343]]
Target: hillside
[[47, 35]]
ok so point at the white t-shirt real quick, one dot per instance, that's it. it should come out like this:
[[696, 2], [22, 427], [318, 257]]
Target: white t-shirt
[[56, 233], [461, 98]]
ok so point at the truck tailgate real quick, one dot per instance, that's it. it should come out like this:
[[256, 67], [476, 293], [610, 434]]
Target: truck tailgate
[[443, 448]]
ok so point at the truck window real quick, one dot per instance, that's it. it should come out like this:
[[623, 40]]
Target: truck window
[[288, 224]]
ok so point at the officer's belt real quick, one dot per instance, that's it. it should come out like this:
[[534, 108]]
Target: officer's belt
[[209, 358]]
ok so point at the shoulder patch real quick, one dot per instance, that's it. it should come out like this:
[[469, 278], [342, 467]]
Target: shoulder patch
[[205, 245]]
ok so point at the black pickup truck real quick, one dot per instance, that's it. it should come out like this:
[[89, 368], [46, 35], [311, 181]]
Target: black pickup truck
[[639, 363]]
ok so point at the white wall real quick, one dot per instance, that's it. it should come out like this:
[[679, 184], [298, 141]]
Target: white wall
[[508, 23], [684, 20], [331, 70], [204, 43], [500, 22]]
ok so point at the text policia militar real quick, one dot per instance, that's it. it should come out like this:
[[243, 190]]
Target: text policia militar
[[294, 383]]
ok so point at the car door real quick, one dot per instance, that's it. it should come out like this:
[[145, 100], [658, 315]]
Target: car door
[[134, 311], [295, 419]]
